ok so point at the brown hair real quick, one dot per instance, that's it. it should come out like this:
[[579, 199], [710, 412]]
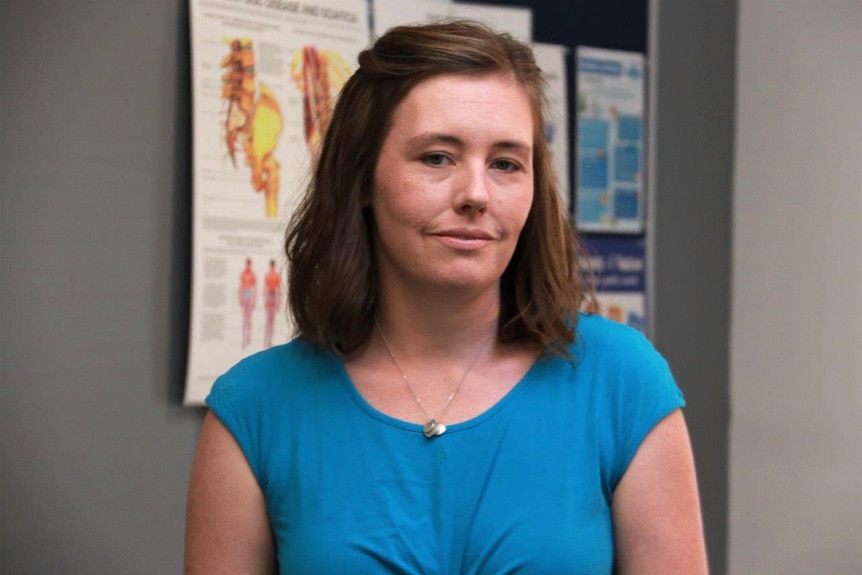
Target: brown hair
[[332, 278]]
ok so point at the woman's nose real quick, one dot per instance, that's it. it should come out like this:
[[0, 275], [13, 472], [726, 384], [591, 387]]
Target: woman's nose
[[472, 190]]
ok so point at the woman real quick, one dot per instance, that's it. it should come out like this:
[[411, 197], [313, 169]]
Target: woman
[[445, 409]]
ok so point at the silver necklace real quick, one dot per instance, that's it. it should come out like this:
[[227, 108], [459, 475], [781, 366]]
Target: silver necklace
[[432, 427]]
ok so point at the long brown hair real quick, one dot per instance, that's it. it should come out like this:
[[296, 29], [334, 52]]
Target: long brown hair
[[332, 279]]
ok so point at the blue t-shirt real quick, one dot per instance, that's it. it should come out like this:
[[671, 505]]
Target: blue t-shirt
[[525, 487]]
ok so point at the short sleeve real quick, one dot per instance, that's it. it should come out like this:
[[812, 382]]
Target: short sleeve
[[646, 400], [235, 401], [635, 390]]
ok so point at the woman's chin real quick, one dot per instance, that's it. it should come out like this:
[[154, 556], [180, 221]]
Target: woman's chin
[[466, 284]]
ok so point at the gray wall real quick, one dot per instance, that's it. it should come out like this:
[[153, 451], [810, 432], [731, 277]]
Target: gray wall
[[796, 457], [95, 213], [95, 208], [693, 47]]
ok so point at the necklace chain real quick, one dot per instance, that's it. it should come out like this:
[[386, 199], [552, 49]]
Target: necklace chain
[[432, 426]]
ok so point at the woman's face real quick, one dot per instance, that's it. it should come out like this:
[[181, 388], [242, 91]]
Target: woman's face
[[454, 183]]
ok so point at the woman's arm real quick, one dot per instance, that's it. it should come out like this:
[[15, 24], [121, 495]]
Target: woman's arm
[[227, 528], [656, 510]]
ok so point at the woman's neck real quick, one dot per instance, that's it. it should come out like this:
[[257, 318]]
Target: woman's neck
[[439, 325]]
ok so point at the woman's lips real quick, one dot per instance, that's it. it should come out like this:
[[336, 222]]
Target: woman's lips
[[464, 239]]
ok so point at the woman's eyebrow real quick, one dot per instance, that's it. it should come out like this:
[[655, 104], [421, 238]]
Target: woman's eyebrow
[[515, 145], [434, 138], [428, 138]]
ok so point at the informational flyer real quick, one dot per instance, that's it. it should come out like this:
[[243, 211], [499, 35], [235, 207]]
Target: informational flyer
[[610, 141], [264, 76], [552, 60], [388, 13], [618, 264]]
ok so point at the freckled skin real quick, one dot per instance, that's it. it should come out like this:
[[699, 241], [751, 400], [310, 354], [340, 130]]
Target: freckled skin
[[454, 184]]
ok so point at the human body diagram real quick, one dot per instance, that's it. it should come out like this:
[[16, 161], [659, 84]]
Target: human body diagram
[[253, 122], [247, 300], [271, 301]]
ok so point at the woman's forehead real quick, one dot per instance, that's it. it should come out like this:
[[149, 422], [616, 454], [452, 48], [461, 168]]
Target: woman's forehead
[[490, 102]]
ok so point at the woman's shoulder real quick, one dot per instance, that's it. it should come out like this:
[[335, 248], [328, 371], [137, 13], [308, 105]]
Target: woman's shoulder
[[296, 353], [598, 335], [620, 357], [280, 369]]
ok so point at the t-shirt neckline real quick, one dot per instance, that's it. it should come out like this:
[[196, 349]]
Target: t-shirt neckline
[[387, 419]]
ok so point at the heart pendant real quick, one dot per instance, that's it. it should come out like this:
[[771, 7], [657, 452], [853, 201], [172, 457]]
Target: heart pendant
[[432, 428]]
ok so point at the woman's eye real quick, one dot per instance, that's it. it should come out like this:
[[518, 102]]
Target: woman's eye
[[505, 165], [435, 159]]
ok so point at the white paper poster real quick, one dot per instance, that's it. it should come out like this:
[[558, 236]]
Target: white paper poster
[[264, 75], [389, 13], [552, 61], [610, 141]]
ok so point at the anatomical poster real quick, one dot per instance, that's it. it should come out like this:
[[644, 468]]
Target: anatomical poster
[[618, 265], [610, 141], [264, 76], [389, 13]]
